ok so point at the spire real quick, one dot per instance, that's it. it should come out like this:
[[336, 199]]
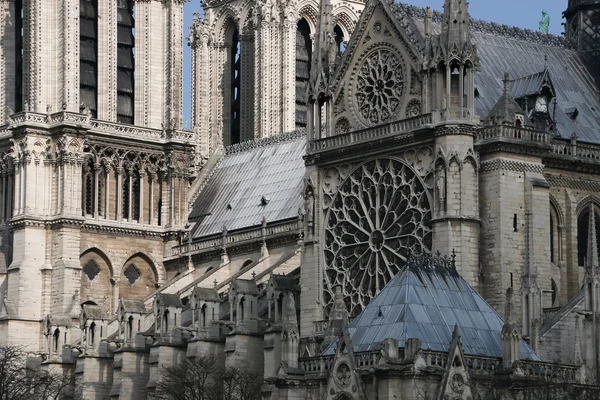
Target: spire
[[592, 244], [456, 24], [325, 50]]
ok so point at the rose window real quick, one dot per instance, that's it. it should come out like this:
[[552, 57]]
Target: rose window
[[379, 86], [379, 216]]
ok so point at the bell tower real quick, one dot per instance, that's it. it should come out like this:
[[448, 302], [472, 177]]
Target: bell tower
[[582, 29], [450, 63]]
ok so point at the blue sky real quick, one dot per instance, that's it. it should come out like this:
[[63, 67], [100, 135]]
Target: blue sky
[[521, 13]]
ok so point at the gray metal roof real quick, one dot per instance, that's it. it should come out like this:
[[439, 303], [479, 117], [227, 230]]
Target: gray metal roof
[[272, 168], [425, 301], [521, 53]]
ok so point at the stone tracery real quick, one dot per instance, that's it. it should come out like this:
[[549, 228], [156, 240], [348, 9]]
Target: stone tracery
[[379, 86], [379, 215]]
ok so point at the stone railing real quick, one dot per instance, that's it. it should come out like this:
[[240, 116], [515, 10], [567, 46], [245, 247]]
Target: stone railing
[[322, 364], [576, 149], [511, 132], [375, 132], [550, 372], [102, 127], [237, 237], [466, 115]]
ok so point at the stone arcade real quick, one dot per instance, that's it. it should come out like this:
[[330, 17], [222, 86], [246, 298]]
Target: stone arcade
[[375, 200]]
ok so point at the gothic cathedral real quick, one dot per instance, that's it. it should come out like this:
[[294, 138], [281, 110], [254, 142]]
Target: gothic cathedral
[[374, 200]]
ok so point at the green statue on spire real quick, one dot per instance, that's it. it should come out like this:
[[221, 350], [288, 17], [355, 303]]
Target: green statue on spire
[[545, 22]]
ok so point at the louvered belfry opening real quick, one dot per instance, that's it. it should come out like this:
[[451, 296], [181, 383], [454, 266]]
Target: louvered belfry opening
[[303, 58], [88, 56], [235, 87], [18, 55], [125, 61]]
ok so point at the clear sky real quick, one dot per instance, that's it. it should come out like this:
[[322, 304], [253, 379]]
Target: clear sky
[[521, 13]]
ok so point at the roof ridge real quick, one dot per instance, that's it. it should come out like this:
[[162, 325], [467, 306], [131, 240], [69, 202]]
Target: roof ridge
[[492, 28], [267, 141]]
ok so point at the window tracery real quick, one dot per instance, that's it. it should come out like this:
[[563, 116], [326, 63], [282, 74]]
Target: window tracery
[[379, 86], [380, 214], [91, 269]]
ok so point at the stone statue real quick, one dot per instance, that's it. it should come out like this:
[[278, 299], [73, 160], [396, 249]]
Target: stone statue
[[440, 181], [545, 22]]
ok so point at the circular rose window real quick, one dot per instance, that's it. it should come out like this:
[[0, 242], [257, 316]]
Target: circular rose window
[[379, 216], [379, 86]]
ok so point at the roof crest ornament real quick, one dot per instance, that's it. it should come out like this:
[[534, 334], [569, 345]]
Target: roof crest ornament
[[267, 141], [491, 28]]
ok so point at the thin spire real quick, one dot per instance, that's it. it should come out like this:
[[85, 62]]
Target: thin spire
[[592, 244], [324, 54]]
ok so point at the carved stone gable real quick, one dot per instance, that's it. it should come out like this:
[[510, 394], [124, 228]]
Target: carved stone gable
[[456, 384], [344, 380], [377, 81]]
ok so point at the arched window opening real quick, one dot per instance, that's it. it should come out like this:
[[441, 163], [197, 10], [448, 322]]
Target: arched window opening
[[455, 84], [582, 233], [552, 236], [92, 333], [130, 327], [56, 339], [235, 87], [241, 316], [166, 322], [303, 63], [203, 316], [339, 39], [89, 197], [101, 195], [125, 61], [18, 55], [88, 56], [131, 195]]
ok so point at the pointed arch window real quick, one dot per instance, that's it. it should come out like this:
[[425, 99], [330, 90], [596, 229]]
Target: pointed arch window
[[131, 195], [235, 87], [582, 233], [18, 55], [125, 61], [303, 64], [88, 56], [339, 39]]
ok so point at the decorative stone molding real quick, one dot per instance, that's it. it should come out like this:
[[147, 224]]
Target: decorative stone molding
[[509, 165]]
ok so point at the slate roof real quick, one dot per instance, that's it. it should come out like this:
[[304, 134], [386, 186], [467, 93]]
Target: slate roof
[[272, 167], [133, 306], [521, 53], [207, 294], [169, 300], [425, 300]]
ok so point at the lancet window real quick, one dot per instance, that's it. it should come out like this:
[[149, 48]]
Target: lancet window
[[18, 55], [131, 195], [303, 63], [582, 233], [125, 61], [235, 87], [88, 56]]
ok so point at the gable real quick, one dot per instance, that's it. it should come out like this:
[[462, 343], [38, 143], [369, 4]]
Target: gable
[[377, 80]]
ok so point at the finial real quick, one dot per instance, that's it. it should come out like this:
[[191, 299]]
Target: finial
[[215, 283], [506, 79], [253, 275], [545, 61], [453, 257]]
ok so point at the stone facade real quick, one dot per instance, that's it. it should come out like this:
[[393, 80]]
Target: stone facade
[[126, 249]]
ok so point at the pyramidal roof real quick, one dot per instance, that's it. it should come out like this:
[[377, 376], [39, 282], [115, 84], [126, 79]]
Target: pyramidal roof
[[425, 301]]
